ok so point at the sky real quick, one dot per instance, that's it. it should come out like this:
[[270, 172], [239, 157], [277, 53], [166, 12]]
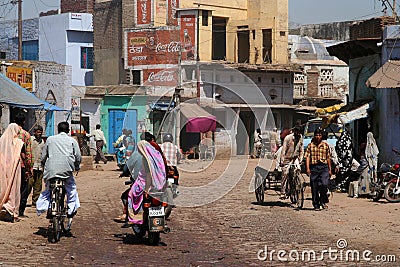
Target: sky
[[300, 11]]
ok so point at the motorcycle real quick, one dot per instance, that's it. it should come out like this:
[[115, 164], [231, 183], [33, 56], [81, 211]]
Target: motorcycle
[[385, 174], [392, 189], [153, 218]]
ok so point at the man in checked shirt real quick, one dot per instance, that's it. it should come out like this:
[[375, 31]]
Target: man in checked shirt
[[171, 153], [318, 167]]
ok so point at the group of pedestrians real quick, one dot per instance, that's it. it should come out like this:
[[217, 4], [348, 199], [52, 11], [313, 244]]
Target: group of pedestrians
[[318, 158], [17, 169], [25, 161]]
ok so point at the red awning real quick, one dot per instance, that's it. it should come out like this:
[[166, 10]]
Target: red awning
[[198, 120]]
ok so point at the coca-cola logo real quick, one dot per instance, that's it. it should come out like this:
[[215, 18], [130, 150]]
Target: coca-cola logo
[[162, 76], [171, 47]]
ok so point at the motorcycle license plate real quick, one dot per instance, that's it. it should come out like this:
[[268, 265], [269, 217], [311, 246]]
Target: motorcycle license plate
[[171, 180], [156, 224], [156, 211]]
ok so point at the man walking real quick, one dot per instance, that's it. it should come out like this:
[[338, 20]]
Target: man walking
[[26, 162], [292, 149], [318, 167], [35, 181], [61, 156], [100, 142]]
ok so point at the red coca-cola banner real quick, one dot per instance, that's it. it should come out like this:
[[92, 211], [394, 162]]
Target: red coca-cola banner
[[188, 36], [143, 11], [153, 47], [171, 12], [160, 77]]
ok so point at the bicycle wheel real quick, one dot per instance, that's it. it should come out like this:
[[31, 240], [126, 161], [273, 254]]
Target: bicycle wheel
[[54, 231], [259, 185], [292, 189], [299, 191]]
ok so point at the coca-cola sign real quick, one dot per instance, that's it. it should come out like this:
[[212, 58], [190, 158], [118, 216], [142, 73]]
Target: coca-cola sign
[[171, 47], [152, 46], [161, 77], [144, 12], [171, 12]]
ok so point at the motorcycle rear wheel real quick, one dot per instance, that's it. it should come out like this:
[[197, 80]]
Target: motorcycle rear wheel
[[389, 193], [154, 238]]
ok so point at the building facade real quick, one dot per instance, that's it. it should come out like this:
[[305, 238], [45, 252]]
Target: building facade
[[67, 39]]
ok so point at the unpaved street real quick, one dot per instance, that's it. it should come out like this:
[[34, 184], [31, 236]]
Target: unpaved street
[[231, 231]]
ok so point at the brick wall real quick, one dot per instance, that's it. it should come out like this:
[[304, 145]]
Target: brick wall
[[74, 6], [372, 28], [108, 48], [312, 82]]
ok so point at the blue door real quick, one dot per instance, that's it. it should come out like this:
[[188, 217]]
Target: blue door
[[49, 123], [115, 124], [119, 119]]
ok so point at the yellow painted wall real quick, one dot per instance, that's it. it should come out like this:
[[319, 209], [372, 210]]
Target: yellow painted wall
[[257, 14]]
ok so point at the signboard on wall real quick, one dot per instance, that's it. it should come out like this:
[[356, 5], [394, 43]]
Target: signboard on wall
[[75, 108], [188, 36], [152, 46], [22, 76], [144, 12], [160, 77], [161, 11], [171, 12]]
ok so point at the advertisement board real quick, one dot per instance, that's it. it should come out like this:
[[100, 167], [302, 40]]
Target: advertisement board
[[22, 76], [152, 46], [75, 108], [188, 36], [160, 77], [144, 12], [172, 5]]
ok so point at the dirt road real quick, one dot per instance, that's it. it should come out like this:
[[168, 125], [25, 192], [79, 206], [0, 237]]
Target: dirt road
[[231, 231]]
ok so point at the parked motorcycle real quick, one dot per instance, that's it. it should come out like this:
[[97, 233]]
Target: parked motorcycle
[[392, 189], [385, 174]]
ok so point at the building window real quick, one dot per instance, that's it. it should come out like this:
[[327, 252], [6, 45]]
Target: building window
[[282, 33], [326, 76], [272, 80], [30, 50], [204, 17], [285, 80], [86, 57], [259, 79], [254, 34], [2, 55], [136, 79]]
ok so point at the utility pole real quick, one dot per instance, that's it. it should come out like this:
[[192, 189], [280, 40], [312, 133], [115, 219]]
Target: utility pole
[[177, 97], [392, 6], [19, 29], [198, 55]]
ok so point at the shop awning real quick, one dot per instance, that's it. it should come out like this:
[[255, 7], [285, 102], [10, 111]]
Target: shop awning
[[386, 76], [198, 120], [14, 95], [51, 107], [356, 113]]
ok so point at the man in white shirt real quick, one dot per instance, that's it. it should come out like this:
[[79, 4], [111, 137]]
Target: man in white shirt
[[100, 142], [61, 156]]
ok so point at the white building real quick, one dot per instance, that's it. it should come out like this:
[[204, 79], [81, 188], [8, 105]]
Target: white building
[[67, 39]]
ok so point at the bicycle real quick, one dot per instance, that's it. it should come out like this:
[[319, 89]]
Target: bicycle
[[295, 186], [57, 211]]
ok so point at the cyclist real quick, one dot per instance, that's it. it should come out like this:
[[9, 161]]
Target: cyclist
[[292, 149], [60, 157]]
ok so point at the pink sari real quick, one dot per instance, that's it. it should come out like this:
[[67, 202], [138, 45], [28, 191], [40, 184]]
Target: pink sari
[[10, 170], [151, 179]]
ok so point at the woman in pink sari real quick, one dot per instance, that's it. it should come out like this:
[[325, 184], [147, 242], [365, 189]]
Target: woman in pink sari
[[10, 173], [151, 179]]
